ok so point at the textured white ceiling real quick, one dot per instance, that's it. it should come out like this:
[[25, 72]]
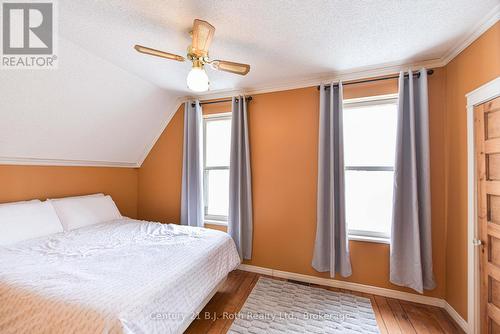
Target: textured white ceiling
[[106, 103], [87, 111], [282, 40]]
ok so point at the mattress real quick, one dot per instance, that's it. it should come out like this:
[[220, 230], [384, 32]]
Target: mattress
[[123, 276]]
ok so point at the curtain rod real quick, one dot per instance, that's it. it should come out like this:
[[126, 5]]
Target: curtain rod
[[417, 74], [248, 98]]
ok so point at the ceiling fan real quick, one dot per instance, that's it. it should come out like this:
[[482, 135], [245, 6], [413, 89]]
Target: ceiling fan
[[202, 35]]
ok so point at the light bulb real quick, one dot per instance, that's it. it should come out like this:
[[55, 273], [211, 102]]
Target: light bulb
[[197, 80]]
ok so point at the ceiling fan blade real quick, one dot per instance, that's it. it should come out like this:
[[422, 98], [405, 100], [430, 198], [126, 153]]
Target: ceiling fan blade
[[229, 66], [203, 33], [158, 53]]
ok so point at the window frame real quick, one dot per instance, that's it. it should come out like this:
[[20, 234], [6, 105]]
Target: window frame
[[363, 235], [211, 219]]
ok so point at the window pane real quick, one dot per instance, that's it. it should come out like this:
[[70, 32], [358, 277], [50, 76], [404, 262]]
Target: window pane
[[218, 192], [370, 135], [218, 137], [369, 201]]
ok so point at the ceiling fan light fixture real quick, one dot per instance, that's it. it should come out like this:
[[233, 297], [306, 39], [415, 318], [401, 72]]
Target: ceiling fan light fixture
[[201, 39], [197, 80]]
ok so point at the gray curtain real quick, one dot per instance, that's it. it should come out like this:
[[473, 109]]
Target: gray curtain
[[240, 225], [411, 246], [331, 248], [192, 167]]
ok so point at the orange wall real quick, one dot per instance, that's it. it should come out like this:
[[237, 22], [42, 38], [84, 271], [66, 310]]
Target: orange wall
[[283, 137], [28, 182], [160, 175], [283, 130], [476, 65]]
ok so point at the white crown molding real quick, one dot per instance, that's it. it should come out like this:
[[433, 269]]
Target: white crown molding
[[63, 162], [480, 28], [29, 161], [366, 72], [487, 22], [355, 74], [415, 298]]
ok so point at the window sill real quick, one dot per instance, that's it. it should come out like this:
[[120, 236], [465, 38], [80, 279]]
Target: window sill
[[214, 222], [364, 238]]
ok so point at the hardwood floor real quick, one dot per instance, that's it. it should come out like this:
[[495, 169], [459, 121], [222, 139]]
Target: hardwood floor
[[393, 316]]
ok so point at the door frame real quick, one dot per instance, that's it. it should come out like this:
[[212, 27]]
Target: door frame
[[476, 97]]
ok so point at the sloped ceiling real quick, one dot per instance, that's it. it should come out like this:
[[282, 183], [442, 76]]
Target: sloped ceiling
[[86, 112], [106, 104]]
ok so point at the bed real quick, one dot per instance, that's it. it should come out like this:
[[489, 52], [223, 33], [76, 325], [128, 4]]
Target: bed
[[121, 276]]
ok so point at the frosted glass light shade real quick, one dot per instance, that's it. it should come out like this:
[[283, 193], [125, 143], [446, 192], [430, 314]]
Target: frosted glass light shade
[[197, 80]]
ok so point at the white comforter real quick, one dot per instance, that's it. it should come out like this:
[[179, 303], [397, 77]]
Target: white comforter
[[124, 276]]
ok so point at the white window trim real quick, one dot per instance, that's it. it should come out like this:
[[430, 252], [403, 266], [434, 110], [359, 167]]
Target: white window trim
[[218, 115], [212, 219], [372, 100], [370, 236], [366, 238], [214, 222]]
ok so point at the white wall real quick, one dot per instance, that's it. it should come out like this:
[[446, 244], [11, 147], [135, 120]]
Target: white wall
[[88, 111]]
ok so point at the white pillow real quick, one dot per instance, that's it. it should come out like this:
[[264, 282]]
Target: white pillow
[[83, 211], [23, 221], [21, 202], [83, 196]]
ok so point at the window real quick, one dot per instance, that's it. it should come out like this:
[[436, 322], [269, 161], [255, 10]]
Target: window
[[216, 152], [369, 152]]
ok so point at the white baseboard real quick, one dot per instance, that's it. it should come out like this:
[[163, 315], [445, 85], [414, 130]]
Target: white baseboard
[[255, 269], [458, 319], [411, 297]]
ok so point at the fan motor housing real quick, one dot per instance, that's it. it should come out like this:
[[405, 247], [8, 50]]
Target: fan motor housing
[[198, 57]]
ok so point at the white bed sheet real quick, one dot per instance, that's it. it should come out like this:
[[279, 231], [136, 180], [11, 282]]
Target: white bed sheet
[[123, 276]]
